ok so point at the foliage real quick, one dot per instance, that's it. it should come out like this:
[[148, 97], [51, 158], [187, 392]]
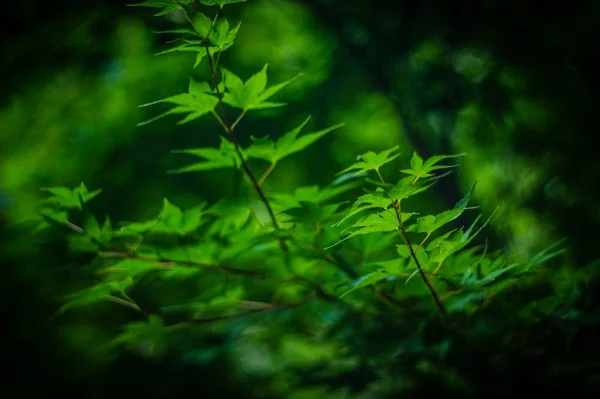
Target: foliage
[[314, 278]]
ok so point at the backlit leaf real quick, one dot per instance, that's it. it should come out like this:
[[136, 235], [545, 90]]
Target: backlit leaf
[[253, 94], [372, 161], [213, 158], [288, 144], [196, 103]]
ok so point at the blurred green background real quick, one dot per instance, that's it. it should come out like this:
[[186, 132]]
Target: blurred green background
[[510, 83]]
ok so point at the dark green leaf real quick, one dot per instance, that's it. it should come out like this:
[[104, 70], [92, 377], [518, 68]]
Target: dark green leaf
[[365, 281], [220, 3], [95, 294]]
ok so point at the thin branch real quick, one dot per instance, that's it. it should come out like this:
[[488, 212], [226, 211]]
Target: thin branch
[[171, 262], [201, 321], [231, 136], [404, 236], [238, 150]]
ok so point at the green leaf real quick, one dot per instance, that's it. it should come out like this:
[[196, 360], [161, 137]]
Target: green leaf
[[462, 204], [179, 32], [220, 3], [366, 280], [153, 3], [367, 201], [212, 50], [493, 276], [311, 212], [170, 220], [147, 336], [372, 161], [287, 145], [196, 103], [253, 94], [464, 302], [546, 254], [416, 162], [55, 216], [66, 198], [221, 36], [130, 268], [167, 6], [180, 272], [448, 244], [429, 224], [101, 234], [407, 187], [381, 222], [213, 158], [201, 23], [95, 294], [284, 201], [420, 169]]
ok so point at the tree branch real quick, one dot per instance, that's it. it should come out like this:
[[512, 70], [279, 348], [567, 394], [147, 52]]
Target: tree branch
[[404, 236], [232, 138]]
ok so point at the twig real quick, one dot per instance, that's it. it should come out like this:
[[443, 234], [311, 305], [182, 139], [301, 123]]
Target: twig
[[231, 136], [404, 236], [170, 262], [203, 321]]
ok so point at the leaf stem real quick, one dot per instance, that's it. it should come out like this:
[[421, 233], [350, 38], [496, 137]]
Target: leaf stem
[[422, 242], [238, 119], [379, 174], [218, 118], [266, 173], [124, 302]]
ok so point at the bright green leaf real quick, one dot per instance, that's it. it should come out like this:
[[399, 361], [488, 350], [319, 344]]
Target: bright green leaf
[[252, 94], [420, 169], [287, 145], [213, 158], [381, 222], [372, 161], [196, 103], [367, 201], [170, 220]]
